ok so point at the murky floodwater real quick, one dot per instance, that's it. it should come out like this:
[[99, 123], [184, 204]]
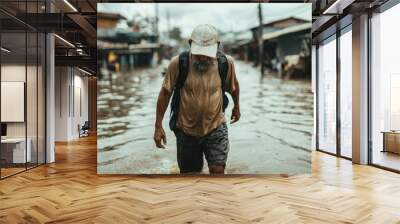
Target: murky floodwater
[[272, 136]]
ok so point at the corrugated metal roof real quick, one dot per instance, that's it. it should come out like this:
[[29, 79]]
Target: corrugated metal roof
[[277, 20], [291, 29], [125, 46], [108, 15]]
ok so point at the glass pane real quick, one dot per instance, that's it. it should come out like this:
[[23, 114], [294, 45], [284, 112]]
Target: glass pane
[[13, 86], [327, 96], [31, 97], [31, 84], [23, 82], [41, 99], [346, 94], [385, 89]]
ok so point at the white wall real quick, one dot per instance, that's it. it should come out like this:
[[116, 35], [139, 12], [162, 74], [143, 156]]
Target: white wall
[[70, 83], [61, 103], [81, 82], [12, 73]]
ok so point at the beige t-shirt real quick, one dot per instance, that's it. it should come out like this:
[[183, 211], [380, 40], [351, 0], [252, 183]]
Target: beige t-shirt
[[200, 107]]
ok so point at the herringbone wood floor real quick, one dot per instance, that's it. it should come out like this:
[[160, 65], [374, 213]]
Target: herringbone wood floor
[[70, 191]]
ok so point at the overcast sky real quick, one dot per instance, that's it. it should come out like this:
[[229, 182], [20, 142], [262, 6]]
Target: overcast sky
[[224, 16]]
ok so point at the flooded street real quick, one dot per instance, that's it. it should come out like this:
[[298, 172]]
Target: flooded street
[[272, 136]]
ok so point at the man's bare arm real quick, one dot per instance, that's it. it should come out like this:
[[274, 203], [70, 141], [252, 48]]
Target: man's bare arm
[[236, 108], [235, 94], [162, 105]]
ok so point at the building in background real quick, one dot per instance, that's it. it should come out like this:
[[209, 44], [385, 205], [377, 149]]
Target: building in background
[[283, 55], [124, 45]]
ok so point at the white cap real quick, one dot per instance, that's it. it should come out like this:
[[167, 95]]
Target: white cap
[[204, 41]]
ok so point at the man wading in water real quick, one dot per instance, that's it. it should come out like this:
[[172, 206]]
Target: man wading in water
[[197, 81]]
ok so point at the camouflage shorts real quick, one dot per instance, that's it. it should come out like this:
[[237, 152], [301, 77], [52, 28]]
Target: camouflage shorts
[[190, 150]]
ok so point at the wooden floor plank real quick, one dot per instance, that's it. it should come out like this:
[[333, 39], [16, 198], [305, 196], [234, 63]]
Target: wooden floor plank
[[70, 191]]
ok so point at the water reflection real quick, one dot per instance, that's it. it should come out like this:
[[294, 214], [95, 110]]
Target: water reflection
[[273, 135]]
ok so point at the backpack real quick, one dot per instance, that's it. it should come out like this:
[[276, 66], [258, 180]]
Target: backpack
[[182, 75]]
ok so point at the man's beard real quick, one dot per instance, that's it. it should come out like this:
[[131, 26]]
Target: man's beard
[[201, 66]]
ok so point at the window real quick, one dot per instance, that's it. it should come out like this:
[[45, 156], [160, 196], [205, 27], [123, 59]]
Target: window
[[385, 89], [346, 93], [22, 77], [327, 96]]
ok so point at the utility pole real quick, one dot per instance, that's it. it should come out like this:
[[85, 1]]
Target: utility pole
[[156, 25], [168, 25], [157, 33], [260, 40]]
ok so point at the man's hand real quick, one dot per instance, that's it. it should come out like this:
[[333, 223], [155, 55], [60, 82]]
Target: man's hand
[[162, 104], [235, 114], [159, 135]]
